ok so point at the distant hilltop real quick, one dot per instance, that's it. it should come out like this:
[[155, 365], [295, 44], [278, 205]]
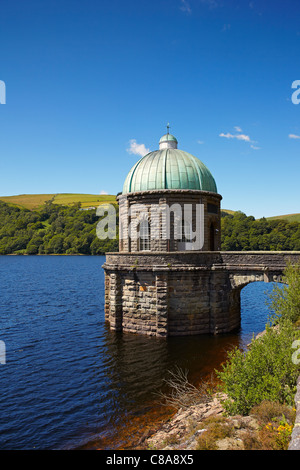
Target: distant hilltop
[[36, 201]]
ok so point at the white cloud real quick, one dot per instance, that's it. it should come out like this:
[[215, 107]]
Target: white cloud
[[240, 136], [244, 137], [137, 149], [294, 136], [200, 142], [103, 192], [185, 6]]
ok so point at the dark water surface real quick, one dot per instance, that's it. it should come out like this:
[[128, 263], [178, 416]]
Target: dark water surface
[[70, 382]]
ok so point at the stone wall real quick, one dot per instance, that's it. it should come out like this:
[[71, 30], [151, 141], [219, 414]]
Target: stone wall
[[168, 303], [183, 293], [154, 202]]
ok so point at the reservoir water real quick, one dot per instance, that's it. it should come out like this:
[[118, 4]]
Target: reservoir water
[[68, 381]]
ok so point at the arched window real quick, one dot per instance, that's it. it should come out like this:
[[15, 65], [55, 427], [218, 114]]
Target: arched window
[[144, 236]]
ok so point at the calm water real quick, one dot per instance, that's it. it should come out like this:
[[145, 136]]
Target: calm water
[[70, 382]]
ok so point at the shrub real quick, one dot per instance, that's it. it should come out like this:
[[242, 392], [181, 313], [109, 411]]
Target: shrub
[[217, 428], [268, 411], [285, 300], [265, 372]]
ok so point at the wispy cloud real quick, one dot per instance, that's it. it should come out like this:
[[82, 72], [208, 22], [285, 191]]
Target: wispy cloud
[[137, 149], [200, 142], [102, 192], [240, 136], [244, 137], [185, 6], [294, 136]]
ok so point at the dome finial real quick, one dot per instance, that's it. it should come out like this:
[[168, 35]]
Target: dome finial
[[168, 141]]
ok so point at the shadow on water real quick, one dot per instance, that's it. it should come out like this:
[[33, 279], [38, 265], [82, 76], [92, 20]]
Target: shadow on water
[[136, 367]]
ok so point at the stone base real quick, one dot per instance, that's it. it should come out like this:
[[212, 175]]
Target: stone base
[[168, 300]]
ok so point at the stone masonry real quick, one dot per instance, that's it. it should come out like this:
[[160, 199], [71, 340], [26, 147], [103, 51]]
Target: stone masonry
[[184, 293]]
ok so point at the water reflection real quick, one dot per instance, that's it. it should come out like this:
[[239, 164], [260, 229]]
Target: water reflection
[[133, 369], [136, 366]]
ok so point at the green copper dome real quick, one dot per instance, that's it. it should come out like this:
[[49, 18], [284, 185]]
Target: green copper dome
[[169, 168], [168, 137]]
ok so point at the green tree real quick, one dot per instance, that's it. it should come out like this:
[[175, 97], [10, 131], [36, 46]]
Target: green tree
[[266, 370], [284, 301]]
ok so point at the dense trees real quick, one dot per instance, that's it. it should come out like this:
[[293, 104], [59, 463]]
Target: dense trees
[[57, 229], [53, 230], [240, 233]]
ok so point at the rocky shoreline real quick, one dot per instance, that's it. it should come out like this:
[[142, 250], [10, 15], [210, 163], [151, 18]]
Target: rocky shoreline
[[183, 430]]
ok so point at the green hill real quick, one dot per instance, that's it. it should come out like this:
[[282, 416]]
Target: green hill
[[37, 201], [287, 217], [30, 225]]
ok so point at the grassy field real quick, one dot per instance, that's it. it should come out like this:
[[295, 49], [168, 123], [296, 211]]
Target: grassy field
[[288, 217], [36, 201]]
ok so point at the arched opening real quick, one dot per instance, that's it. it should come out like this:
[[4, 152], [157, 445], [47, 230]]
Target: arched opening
[[212, 237], [252, 299]]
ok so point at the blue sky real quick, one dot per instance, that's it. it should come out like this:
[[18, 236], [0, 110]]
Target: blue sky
[[90, 83]]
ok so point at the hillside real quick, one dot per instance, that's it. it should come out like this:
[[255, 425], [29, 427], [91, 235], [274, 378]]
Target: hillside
[[37, 201], [286, 217], [60, 226]]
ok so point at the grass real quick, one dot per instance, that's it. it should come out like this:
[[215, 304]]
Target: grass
[[288, 217], [27, 201], [36, 201]]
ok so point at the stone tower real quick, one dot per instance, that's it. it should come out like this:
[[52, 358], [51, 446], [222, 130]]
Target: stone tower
[[160, 283]]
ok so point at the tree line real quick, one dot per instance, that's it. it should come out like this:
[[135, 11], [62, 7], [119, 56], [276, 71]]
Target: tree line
[[54, 229], [240, 232], [57, 229]]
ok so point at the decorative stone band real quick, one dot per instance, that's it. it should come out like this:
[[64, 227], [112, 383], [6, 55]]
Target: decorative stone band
[[235, 261]]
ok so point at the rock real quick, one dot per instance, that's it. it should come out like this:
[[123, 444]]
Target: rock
[[184, 429], [230, 443]]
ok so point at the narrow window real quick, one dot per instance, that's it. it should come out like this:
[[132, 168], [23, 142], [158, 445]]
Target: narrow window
[[144, 236]]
